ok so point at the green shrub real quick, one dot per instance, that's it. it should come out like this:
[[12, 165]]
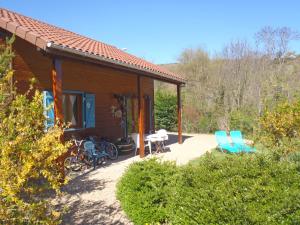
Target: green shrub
[[294, 157], [237, 190], [144, 191], [165, 110], [246, 189], [207, 123], [243, 121]]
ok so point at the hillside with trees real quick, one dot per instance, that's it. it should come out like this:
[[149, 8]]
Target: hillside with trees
[[231, 89]]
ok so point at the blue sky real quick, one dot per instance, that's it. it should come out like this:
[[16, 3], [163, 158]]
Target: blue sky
[[160, 30]]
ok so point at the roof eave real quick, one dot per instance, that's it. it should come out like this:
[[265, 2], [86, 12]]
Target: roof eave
[[23, 33], [66, 51]]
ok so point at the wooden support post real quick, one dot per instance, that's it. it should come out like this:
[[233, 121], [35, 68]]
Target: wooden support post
[[141, 118], [150, 116], [179, 113], [153, 113], [133, 114], [56, 74]]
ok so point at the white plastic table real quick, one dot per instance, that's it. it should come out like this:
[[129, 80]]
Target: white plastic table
[[157, 140]]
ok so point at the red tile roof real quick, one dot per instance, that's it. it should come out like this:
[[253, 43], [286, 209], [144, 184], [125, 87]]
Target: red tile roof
[[42, 34]]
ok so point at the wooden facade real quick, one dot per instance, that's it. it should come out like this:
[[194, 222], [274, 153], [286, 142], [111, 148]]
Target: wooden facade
[[75, 75], [60, 74], [85, 80]]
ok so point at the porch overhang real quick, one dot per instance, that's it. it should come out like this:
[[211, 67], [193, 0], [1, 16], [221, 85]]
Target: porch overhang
[[57, 90], [62, 51]]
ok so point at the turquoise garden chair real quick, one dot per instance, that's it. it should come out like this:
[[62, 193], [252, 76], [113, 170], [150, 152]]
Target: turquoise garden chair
[[237, 139], [224, 144]]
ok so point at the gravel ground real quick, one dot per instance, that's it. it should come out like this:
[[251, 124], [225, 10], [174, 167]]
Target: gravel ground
[[90, 196]]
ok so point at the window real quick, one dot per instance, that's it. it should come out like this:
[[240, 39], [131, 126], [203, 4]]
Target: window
[[78, 109], [72, 110]]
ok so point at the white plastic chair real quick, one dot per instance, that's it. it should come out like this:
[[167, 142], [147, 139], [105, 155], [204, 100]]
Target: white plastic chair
[[136, 138], [162, 133]]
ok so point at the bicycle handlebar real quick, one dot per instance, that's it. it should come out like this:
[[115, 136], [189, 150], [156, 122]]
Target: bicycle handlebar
[[78, 142]]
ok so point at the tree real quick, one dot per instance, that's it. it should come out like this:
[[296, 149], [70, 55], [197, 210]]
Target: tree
[[165, 110], [275, 41], [232, 89], [28, 154]]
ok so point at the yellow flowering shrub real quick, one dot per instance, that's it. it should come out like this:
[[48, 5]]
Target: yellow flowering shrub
[[280, 128], [28, 155]]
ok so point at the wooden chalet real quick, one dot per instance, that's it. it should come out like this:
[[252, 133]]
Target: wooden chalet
[[95, 87]]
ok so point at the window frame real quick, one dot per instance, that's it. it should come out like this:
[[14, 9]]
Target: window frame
[[79, 106], [81, 110], [83, 107]]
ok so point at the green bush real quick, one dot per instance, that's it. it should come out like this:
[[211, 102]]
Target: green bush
[[247, 189], [294, 157], [165, 110], [237, 190], [144, 191], [243, 121], [207, 123]]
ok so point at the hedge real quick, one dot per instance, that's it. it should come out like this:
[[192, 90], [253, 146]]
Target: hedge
[[144, 191], [247, 189], [165, 110]]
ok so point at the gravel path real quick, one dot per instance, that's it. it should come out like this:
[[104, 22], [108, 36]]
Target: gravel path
[[90, 197]]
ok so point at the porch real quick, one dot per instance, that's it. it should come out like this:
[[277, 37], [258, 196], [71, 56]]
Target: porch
[[121, 105]]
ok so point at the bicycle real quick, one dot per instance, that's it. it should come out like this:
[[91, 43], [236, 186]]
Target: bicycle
[[98, 156], [76, 160], [85, 155], [108, 147]]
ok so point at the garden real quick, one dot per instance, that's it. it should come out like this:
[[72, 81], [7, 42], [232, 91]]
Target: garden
[[219, 188], [245, 189]]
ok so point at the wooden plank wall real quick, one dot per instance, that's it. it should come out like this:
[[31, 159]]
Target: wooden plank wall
[[80, 76]]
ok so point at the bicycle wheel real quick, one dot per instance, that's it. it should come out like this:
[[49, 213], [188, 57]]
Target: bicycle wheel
[[71, 163], [112, 151], [102, 160], [88, 160]]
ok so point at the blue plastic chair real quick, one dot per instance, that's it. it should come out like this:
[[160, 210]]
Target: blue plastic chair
[[238, 141], [90, 149], [224, 144]]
